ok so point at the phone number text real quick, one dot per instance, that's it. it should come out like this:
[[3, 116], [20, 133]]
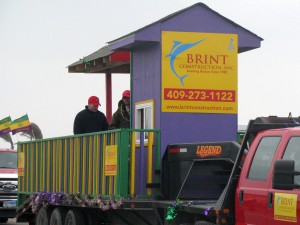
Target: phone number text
[[199, 95]]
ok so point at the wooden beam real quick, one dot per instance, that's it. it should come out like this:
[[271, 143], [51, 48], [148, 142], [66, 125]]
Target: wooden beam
[[108, 96]]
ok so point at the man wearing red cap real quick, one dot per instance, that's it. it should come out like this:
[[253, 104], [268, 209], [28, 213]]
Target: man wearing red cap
[[121, 118], [90, 119]]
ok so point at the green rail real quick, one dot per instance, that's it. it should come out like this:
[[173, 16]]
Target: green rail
[[119, 162]]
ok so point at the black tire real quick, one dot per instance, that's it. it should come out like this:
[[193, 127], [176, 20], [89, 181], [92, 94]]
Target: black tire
[[3, 219], [74, 217], [43, 217], [58, 216]]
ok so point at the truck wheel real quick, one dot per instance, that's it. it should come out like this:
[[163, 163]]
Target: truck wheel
[[74, 217], [58, 216], [43, 217], [3, 220]]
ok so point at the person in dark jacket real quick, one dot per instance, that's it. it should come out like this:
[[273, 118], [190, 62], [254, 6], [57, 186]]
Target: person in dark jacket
[[121, 118], [90, 119]]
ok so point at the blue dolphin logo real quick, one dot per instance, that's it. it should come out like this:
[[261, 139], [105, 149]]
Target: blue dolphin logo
[[278, 199], [178, 48]]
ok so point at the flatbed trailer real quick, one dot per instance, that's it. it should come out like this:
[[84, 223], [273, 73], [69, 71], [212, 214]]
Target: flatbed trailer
[[113, 174], [110, 178]]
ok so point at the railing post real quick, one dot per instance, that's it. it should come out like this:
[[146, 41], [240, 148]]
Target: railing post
[[123, 152], [149, 161], [132, 163], [158, 155]]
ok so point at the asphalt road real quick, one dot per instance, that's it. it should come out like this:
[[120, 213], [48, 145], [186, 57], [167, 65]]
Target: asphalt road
[[13, 222]]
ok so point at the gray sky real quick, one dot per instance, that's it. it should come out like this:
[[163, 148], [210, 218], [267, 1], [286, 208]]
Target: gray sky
[[39, 39]]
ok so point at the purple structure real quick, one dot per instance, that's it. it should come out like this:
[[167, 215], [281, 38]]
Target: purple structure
[[145, 69], [145, 47]]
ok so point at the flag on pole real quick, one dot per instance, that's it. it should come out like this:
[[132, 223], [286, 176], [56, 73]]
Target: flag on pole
[[5, 125], [20, 124]]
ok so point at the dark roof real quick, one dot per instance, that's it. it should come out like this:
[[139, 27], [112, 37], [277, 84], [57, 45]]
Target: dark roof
[[102, 52], [100, 61]]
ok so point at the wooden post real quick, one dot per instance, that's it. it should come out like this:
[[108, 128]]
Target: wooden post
[[108, 96]]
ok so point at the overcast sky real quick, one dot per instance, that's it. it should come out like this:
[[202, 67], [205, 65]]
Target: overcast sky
[[40, 38]]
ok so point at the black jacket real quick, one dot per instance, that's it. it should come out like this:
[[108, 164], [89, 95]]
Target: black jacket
[[87, 121], [121, 118]]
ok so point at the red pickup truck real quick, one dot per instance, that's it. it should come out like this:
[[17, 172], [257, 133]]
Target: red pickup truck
[[263, 187], [268, 188]]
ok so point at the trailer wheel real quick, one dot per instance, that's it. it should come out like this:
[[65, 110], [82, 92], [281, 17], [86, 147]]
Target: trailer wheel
[[43, 217], [74, 217], [3, 219], [58, 216]]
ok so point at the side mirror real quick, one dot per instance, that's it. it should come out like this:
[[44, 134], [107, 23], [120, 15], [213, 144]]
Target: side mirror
[[284, 174]]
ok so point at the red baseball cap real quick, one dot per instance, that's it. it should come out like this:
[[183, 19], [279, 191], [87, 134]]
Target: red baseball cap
[[126, 94], [94, 100]]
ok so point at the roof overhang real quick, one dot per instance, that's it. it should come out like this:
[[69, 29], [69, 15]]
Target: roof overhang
[[103, 61]]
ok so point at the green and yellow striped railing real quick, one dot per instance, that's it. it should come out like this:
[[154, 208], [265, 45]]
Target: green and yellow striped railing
[[88, 164]]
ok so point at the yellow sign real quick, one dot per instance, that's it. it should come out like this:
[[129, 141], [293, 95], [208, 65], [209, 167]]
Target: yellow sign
[[20, 163], [111, 159], [285, 207], [199, 72]]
